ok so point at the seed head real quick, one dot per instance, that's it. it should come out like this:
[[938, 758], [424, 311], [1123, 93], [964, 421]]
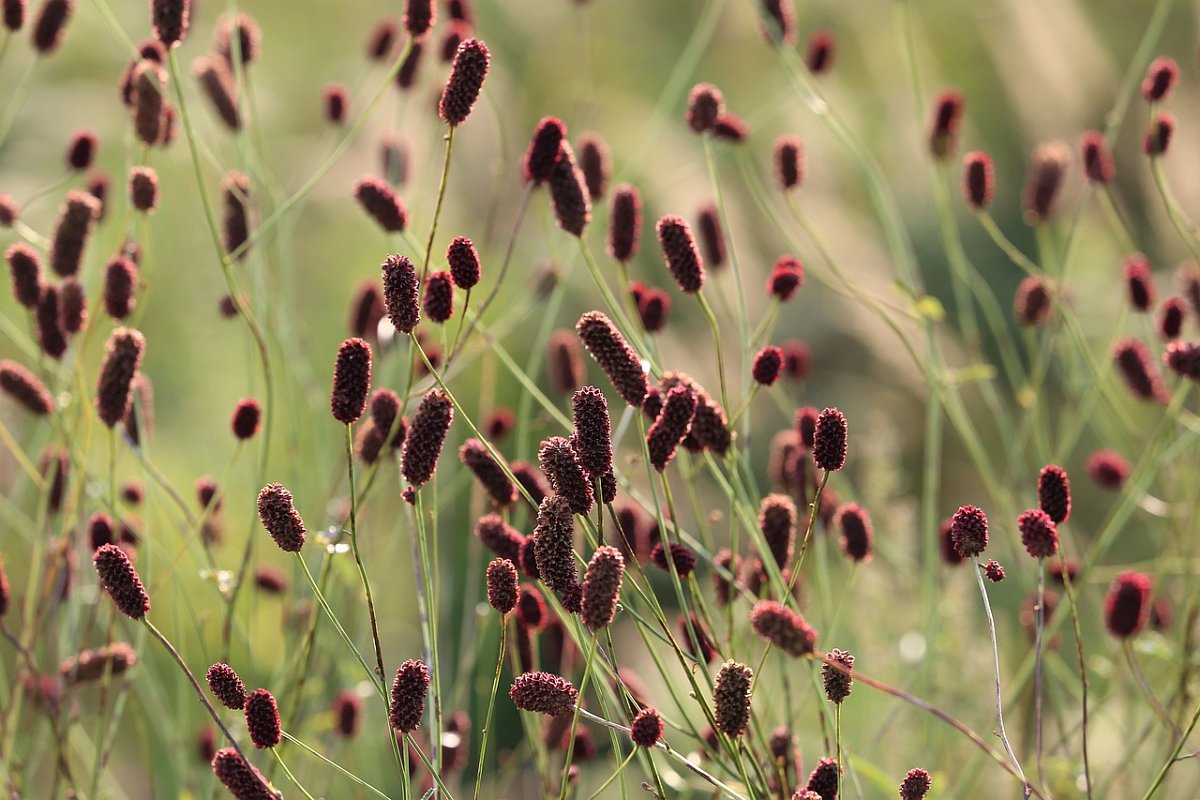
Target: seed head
[[993, 571], [336, 103], [1047, 169], [240, 32], [55, 468], [49, 25], [568, 193], [672, 425], [705, 104], [143, 189], [696, 639], [712, 239], [426, 435], [419, 16], [543, 151], [777, 521], [246, 416], [14, 15], [783, 627], [915, 785], [401, 293], [602, 587], [383, 37], [26, 271], [786, 278], [679, 251], [531, 608], [594, 161], [1038, 533], [731, 128], [382, 204], [646, 728], [76, 218], [149, 81], [1054, 493], [467, 74], [475, 456], [347, 712], [1183, 359], [1171, 315], [51, 335], [823, 780], [979, 179], [464, 262], [455, 33], [226, 686], [262, 719], [1136, 365], [683, 558], [120, 580], [543, 693], [408, 696], [857, 533], [351, 381], [1127, 606], [407, 75], [1161, 77], [592, 439], [565, 474], [614, 355], [237, 775], [822, 46], [170, 20], [969, 531], [235, 224], [123, 357], [81, 150], [947, 119], [790, 162], [768, 363], [1138, 282], [723, 587], [501, 585], [120, 287], [1032, 304], [1159, 134], [97, 187], [439, 296], [553, 544], [624, 223], [499, 537], [531, 480], [89, 666], [1097, 158], [838, 683], [278, 514], [949, 553], [829, 440], [731, 698], [74, 306], [24, 387], [653, 305]]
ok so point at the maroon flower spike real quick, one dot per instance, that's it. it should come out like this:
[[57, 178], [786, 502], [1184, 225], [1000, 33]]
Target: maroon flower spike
[[1032, 304], [838, 682], [237, 39], [947, 119], [351, 381], [594, 161], [206, 493], [783, 627], [439, 296], [226, 686], [823, 780], [419, 16], [262, 719], [767, 365], [100, 531], [381, 202], [777, 521], [1183, 359], [246, 416], [731, 698], [464, 262], [1047, 170], [979, 179], [1139, 283], [143, 189], [822, 46], [993, 571], [426, 435], [14, 14], [270, 580], [122, 359], [653, 307], [407, 74], [120, 580], [278, 514], [48, 27], [797, 359], [1159, 134], [76, 217], [26, 271], [24, 387], [1054, 493], [1038, 533], [408, 696], [1161, 77], [385, 407], [467, 74], [383, 37], [624, 223], [51, 335], [235, 222], [543, 693], [347, 712], [915, 785], [682, 557], [81, 150], [149, 82], [614, 355], [672, 425], [401, 294], [1188, 276], [502, 585], [679, 250], [568, 194], [712, 239], [705, 104], [366, 311], [786, 278], [602, 587], [553, 544], [1098, 163], [97, 187], [500, 537], [780, 23], [120, 287], [790, 162], [336, 104], [646, 728], [722, 586], [857, 533], [1171, 315], [531, 608], [89, 666], [565, 363], [55, 468], [1127, 606], [217, 82], [1136, 366], [592, 440], [731, 128], [829, 440], [969, 531], [242, 780], [542, 154], [475, 456], [170, 19], [565, 473]]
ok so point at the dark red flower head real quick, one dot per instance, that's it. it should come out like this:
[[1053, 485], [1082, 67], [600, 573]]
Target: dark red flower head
[[674, 422], [565, 473], [592, 439], [777, 521], [786, 278], [624, 223], [237, 39], [712, 238], [1032, 304], [1183, 358], [947, 119], [26, 270], [681, 556], [1039, 534], [81, 150], [949, 552], [797, 359], [120, 580], [1097, 158], [829, 440], [382, 204], [379, 46], [915, 785], [531, 608], [822, 46], [347, 711], [279, 516], [170, 19], [419, 16], [78, 214], [408, 696], [594, 161], [14, 15], [568, 193], [143, 189], [1047, 171], [426, 435], [823, 780], [542, 153], [499, 537], [979, 179], [1127, 606], [219, 86], [653, 306], [488, 471], [1054, 493], [836, 675], [123, 358], [646, 728], [1107, 468], [1137, 368], [336, 103], [226, 686], [1171, 315], [731, 128], [462, 88], [731, 698], [351, 381], [245, 419], [235, 223], [48, 28], [779, 24], [679, 250], [120, 286], [768, 362], [705, 104], [439, 296], [1159, 134], [614, 355], [240, 777], [1161, 77], [790, 162], [24, 387], [401, 293], [464, 262], [969, 531], [857, 534], [783, 627], [553, 544], [602, 587], [1138, 282], [543, 693], [501, 585]]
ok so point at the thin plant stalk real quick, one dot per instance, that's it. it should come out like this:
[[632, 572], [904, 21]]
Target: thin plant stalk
[[587, 674], [437, 208], [1039, 645], [487, 725], [1083, 680]]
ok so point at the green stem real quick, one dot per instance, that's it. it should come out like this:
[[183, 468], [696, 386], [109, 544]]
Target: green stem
[[437, 209], [487, 725]]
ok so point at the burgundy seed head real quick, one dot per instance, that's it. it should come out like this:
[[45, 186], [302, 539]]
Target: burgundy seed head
[[783, 627], [553, 544], [51, 335], [1161, 77], [1039, 534], [646, 728], [382, 204], [679, 251], [336, 104], [947, 119], [786, 278], [731, 698], [1127, 606], [270, 580], [1134, 362], [488, 471], [120, 287], [456, 33], [592, 440], [1097, 158], [74, 306], [14, 14], [76, 217], [712, 240], [407, 75], [624, 223], [777, 521], [672, 425], [464, 262], [969, 531], [240, 32], [565, 363], [9, 210], [797, 359], [543, 150], [170, 20], [822, 46], [439, 296], [543, 693], [723, 586], [1159, 134], [790, 162], [614, 355], [730, 128], [531, 608], [49, 25], [1138, 282], [915, 785], [278, 514], [89, 666], [143, 189], [829, 440], [426, 435], [235, 221], [993, 571], [97, 187], [768, 362], [262, 719], [602, 587], [654, 306], [857, 533], [366, 311], [1047, 170], [683, 558], [500, 537], [823, 780], [805, 794], [24, 387], [123, 357], [120, 580], [242, 780], [1054, 493], [383, 37], [226, 686], [467, 74], [1032, 304], [568, 194], [594, 162], [979, 179], [705, 104], [499, 423], [1171, 316], [838, 683], [81, 150], [408, 696], [401, 294], [565, 474], [351, 381], [779, 25], [140, 413], [206, 493], [419, 16], [246, 416], [1162, 614], [217, 83], [55, 467], [100, 531], [347, 710], [131, 493], [1183, 359], [149, 82], [501, 585]]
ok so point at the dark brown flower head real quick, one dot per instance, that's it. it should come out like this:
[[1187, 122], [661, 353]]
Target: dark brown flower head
[[565, 365], [592, 440], [76, 218], [351, 381], [366, 311], [501, 585], [787, 465], [347, 710], [568, 193], [239, 777], [120, 580], [531, 608], [89, 666], [1161, 77], [455, 33], [646, 728], [382, 204], [777, 521], [26, 270], [499, 537], [710, 428], [768, 363], [1159, 134], [654, 306], [439, 296], [950, 554], [419, 16], [401, 294], [947, 119], [406, 77], [97, 187], [786, 278], [408, 696], [624, 223], [270, 580], [602, 587], [143, 189], [915, 785], [51, 335], [1137, 368], [1032, 304], [467, 74], [797, 359], [838, 682], [791, 165], [993, 571], [237, 39], [226, 686], [822, 46], [488, 471], [206, 493], [682, 557], [464, 262], [1184, 359], [49, 25], [969, 531], [1138, 282], [100, 531], [1054, 493], [74, 306], [779, 21], [426, 435], [783, 627], [24, 387], [530, 478], [672, 425], [731, 128], [561, 466], [1039, 534], [712, 238], [499, 423], [14, 15], [123, 357], [382, 39], [805, 794], [543, 151], [1097, 158], [262, 719], [1127, 606], [857, 533], [139, 416], [132, 493], [120, 287], [336, 103], [218, 85], [829, 440], [81, 150], [245, 420], [823, 780], [543, 693], [278, 514], [594, 161], [148, 96], [609, 349], [679, 250], [731, 698], [170, 20], [979, 179], [235, 220], [705, 104], [553, 544], [55, 467], [1171, 315], [1047, 171]]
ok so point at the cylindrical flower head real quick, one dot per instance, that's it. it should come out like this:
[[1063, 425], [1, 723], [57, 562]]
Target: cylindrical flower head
[[122, 359], [553, 544], [76, 217], [74, 306], [712, 238], [366, 311], [218, 85], [1032, 304], [24, 387], [382, 204], [682, 557], [81, 150], [170, 19], [351, 381], [1137, 368], [499, 537], [1171, 315], [679, 251], [592, 440], [1039, 534], [705, 104], [947, 119], [777, 521], [14, 15], [26, 271], [790, 162], [426, 435], [419, 16], [439, 296], [1054, 493], [653, 308], [822, 46], [594, 163], [562, 468], [149, 82], [823, 780], [624, 223], [475, 456], [672, 425], [609, 349], [467, 74], [1138, 282], [143, 189], [1183, 358], [49, 25], [51, 335], [401, 294], [120, 287], [1127, 606], [501, 585], [1047, 170], [464, 262], [262, 719], [336, 104], [1159, 134], [246, 416], [120, 580], [568, 194], [829, 440], [731, 698], [235, 220], [565, 365], [408, 696], [969, 531], [915, 785], [857, 534], [347, 710], [543, 693], [379, 45], [767, 365], [783, 627], [92, 665], [543, 150], [602, 587], [979, 179], [1161, 77], [1108, 469], [237, 39], [531, 608], [530, 478], [1097, 158], [838, 683], [786, 278], [278, 514], [241, 778], [226, 686], [646, 728], [993, 571]]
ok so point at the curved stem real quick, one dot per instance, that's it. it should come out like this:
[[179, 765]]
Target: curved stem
[[437, 209]]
